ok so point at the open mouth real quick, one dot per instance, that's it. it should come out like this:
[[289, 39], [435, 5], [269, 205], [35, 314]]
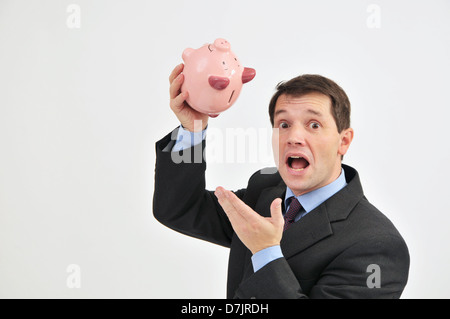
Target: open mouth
[[297, 163]]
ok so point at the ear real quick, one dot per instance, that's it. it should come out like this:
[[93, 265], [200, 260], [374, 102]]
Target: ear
[[346, 140]]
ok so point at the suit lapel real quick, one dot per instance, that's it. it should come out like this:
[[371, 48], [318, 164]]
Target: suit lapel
[[310, 229], [316, 225]]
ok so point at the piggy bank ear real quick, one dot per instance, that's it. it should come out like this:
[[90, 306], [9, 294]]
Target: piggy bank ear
[[187, 53], [248, 75]]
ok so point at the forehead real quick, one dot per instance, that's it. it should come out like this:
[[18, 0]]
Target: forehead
[[313, 102]]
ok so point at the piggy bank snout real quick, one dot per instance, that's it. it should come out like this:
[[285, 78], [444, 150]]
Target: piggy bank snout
[[222, 45], [218, 82]]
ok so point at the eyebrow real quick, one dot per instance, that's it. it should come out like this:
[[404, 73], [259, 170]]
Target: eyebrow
[[279, 112]]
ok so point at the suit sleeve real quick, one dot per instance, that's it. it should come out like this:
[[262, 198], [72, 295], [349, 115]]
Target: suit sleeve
[[274, 281], [180, 200], [374, 268]]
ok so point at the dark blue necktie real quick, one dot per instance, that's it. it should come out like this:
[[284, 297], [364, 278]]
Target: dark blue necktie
[[289, 217]]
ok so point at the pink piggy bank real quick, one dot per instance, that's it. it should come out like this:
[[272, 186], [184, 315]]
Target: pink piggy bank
[[213, 77]]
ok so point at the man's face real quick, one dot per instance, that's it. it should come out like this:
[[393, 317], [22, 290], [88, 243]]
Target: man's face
[[306, 143]]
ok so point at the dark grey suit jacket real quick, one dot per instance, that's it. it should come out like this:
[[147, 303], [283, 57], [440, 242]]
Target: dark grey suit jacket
[[329, 253]]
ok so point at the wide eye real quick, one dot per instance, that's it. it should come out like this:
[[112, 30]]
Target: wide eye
[[283, 125], [314, 125]]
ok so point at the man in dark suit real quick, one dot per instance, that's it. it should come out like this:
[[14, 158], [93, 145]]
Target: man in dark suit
[[304, 231]]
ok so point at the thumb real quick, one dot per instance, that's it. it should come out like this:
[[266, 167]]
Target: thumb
[[276, 213]]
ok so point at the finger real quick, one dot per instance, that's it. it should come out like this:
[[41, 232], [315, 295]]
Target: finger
[[176, 71], [177, 103], [231, 200], [234, 217], [223, 200], [175, 86], [276, 213]]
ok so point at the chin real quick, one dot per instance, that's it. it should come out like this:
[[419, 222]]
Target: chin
[[298, 181]]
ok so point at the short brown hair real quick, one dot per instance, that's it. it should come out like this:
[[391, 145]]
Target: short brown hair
[[307, 83]]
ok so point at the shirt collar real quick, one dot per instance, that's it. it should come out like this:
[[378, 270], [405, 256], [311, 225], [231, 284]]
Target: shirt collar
[[311, 200]]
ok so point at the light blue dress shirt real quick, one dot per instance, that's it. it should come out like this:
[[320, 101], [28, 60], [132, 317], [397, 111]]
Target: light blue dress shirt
[[186, 139], [309, 201]]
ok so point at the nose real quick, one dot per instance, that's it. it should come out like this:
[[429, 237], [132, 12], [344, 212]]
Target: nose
[[218, 82], [296, 136]]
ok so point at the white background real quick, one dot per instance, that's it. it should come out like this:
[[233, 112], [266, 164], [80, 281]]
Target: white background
[[81, 110]]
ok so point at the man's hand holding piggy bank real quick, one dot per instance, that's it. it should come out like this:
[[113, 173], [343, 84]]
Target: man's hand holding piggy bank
[[213, 77]]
